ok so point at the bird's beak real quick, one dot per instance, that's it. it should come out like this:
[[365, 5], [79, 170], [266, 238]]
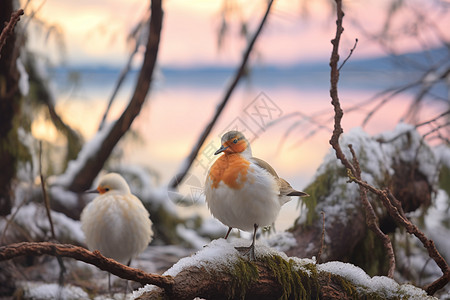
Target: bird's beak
[[92, 191], [221, 149]]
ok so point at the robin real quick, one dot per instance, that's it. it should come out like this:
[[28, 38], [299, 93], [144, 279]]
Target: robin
[[242, 191], [116, 222]]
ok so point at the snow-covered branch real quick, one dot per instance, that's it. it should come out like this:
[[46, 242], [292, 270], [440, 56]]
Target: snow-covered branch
[[218, 271]]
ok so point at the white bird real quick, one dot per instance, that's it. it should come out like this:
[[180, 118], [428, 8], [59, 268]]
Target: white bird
[[243, 191], [116, 223]]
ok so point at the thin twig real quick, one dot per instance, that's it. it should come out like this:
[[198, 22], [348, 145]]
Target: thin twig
[[44, 194], [123, 74], [349, 55], [322, 239], [62, 268], [178, 178], [7, 30]]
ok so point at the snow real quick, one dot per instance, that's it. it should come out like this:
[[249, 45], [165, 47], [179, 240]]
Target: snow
[[376, 161], [281, 241], [436, 218], [212, 227], [143, 184], [33, 218], [69, 198], [87, 152], [39, 290], [191, 237], [442, 153], [409, 146], [24, 85], [384, 286], [219, 255]]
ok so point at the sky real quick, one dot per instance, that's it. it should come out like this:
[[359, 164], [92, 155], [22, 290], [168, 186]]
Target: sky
[[95, 31], [94, 34]]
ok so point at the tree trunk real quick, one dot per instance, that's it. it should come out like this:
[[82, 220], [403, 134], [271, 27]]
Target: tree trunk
[[10, 107]]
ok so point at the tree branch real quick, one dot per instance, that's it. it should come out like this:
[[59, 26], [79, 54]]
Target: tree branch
[[396, 212], [7, 30], [178, 178], [82, 254], [372, 219], [85, 175], [354, 171]]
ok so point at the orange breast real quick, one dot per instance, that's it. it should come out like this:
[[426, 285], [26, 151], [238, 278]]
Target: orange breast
[[231, 169]]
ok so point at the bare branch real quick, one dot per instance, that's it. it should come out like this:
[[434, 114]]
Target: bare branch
[[354, 170], [349, 55], [322, 239], [82, 254], [178, 178], [334, 78], [372, 219], [123, 74], [395, 211]]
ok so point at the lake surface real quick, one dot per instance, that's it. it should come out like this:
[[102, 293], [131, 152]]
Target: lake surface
[[286, 113]]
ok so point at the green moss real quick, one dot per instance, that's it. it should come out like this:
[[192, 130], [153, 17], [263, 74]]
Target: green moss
[[244, 274], [295, 281], [370, 255], [347, 286], [320, 189]]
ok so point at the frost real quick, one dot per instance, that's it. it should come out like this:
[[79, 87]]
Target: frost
[[36, 290], [383, 286]]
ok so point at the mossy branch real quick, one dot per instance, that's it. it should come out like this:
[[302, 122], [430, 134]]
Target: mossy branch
[[271, 276]]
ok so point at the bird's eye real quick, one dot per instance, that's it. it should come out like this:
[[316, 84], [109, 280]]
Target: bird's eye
[[106, 189], [235, 141]]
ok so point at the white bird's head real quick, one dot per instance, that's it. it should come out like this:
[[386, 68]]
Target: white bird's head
[[112, 182]]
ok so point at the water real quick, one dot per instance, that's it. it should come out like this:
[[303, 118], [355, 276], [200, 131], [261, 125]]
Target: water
[[287, 114]]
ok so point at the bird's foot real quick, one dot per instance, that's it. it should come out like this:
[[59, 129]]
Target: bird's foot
[[250, 250]]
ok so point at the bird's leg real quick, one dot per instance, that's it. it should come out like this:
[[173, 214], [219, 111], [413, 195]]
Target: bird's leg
[[228, 232], [251, 248], [126, 282]]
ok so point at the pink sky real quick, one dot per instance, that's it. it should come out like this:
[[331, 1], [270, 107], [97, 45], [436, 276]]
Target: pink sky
[[95, 30]]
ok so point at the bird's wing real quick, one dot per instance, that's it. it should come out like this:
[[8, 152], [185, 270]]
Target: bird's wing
[[285, 188], [261, 163]]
